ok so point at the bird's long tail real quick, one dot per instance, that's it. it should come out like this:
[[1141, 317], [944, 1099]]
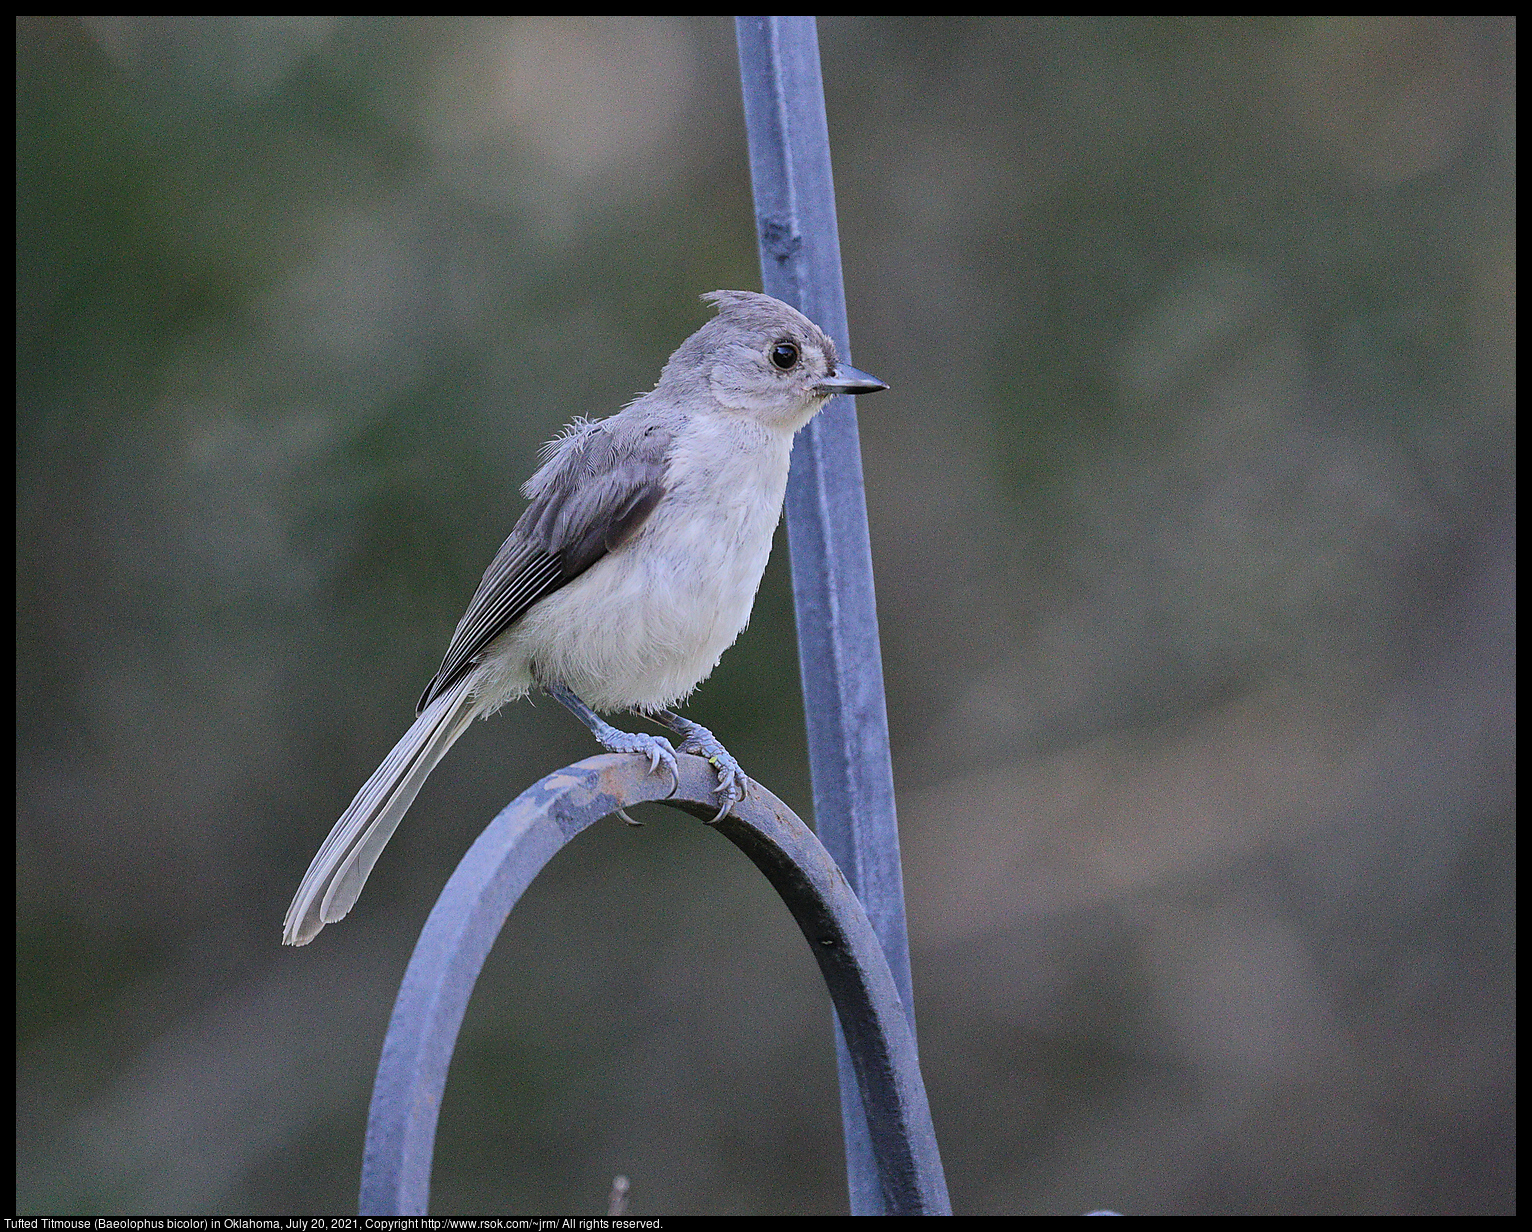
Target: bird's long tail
[[339, 871]]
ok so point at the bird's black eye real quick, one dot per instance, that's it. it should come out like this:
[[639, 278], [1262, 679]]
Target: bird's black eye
[[784, 355]]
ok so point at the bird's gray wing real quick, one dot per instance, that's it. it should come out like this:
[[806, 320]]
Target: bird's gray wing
[[592, 495]]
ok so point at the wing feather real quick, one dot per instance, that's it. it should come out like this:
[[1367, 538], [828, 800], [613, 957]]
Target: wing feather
[[600, 483]]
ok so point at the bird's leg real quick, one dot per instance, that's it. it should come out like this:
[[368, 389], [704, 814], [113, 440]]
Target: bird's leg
[[656, 748], [697, 739]]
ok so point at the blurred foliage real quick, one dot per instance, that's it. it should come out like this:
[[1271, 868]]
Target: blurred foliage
[[1193, 512]]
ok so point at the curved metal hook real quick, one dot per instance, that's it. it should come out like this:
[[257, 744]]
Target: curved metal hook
[[512, 850]]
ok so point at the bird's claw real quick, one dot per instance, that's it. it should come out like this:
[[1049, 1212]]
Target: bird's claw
[[731, 775], [656, 748]]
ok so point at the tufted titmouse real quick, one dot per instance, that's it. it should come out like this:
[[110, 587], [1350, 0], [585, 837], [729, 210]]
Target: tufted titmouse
[[630, 573]]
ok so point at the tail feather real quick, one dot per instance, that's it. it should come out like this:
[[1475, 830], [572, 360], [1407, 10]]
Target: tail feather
[[340, 869]]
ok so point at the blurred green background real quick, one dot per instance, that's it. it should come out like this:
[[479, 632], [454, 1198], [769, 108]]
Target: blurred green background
[[1192, 509]]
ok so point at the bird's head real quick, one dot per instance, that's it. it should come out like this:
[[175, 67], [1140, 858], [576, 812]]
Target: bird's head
[[766, 359]]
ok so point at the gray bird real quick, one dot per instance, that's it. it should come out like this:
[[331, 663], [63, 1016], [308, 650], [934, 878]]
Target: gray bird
[[631, 571]]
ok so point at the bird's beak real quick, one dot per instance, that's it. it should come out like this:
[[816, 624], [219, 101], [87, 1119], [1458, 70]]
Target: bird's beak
[[848, 380]]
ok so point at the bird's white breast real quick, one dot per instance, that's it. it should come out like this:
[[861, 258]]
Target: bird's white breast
[[646, 624]]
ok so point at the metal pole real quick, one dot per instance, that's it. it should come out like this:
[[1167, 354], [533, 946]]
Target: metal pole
[[827, 522]]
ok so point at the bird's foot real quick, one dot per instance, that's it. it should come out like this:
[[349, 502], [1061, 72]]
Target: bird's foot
[[656, 748], [731, 775]]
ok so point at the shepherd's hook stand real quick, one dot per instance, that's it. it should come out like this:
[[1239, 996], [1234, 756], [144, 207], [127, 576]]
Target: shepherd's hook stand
[[412, 1074]]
